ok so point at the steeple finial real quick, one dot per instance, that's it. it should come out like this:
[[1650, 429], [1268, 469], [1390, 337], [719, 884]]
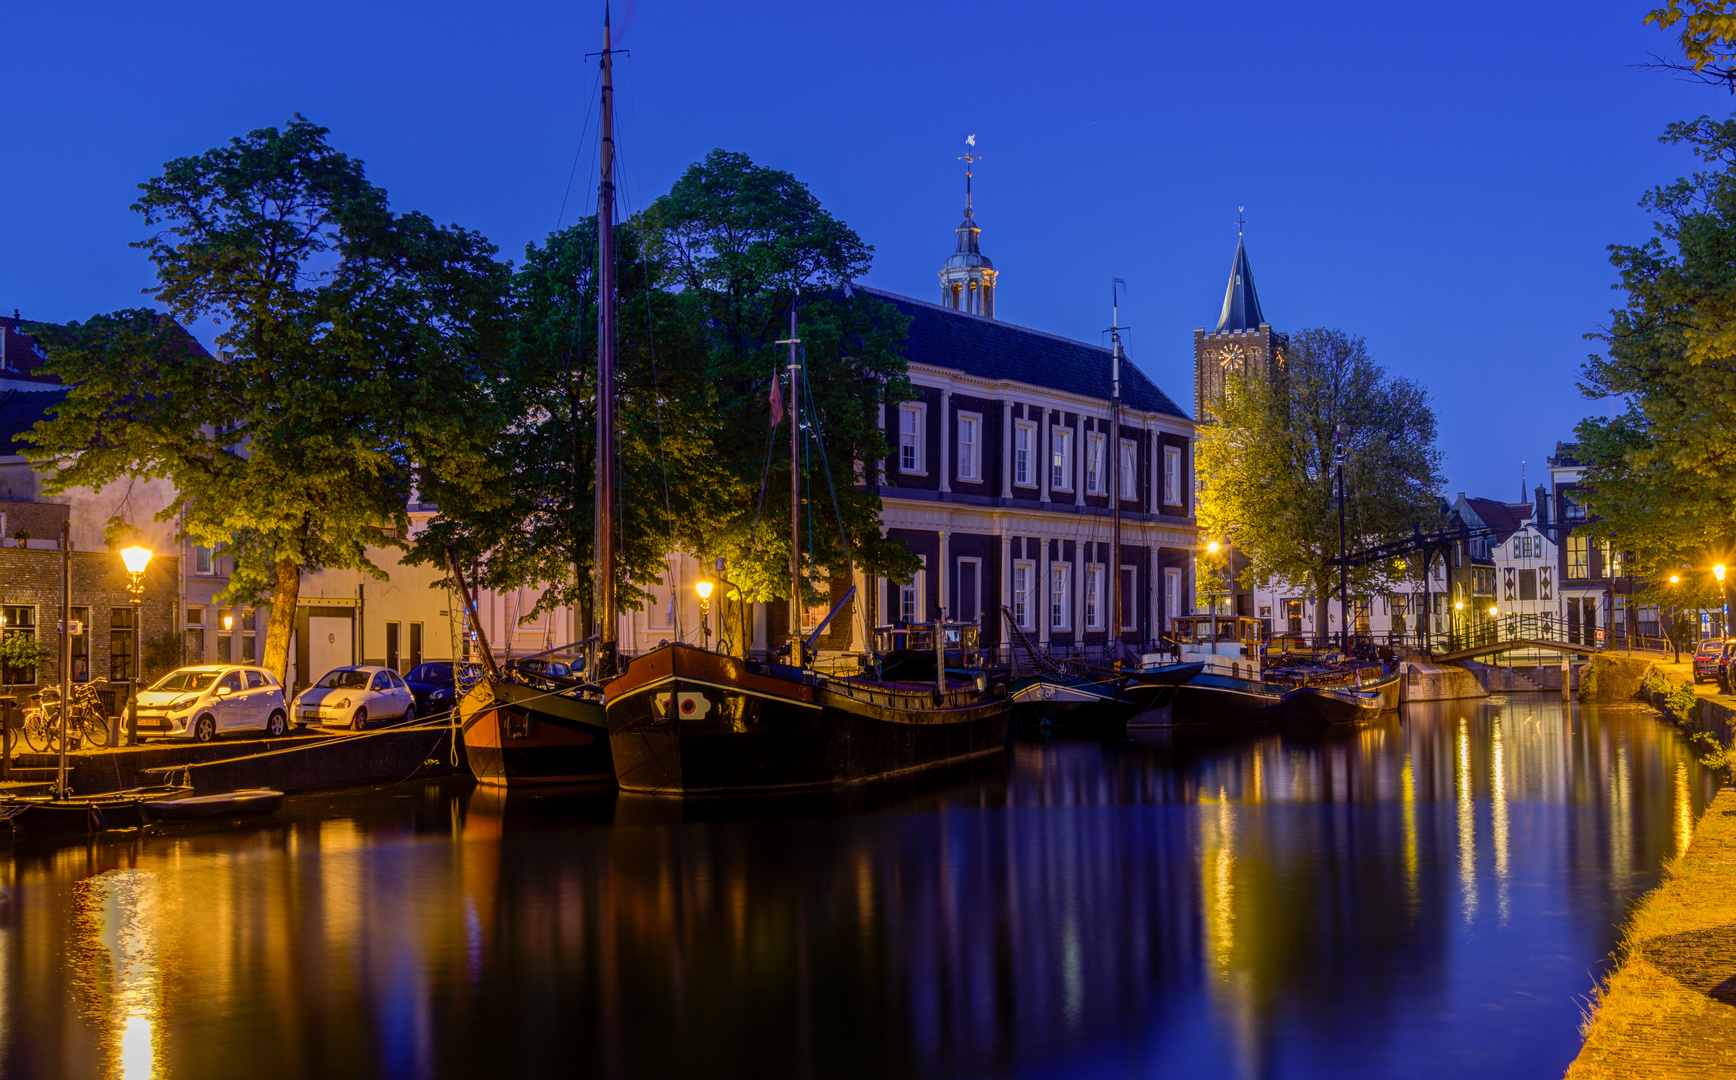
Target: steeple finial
[[968, 158], [1240, 220]]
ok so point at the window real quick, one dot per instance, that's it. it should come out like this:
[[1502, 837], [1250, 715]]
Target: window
[[382, 681], [1024, 439], [1023, 575], [1129, 474], [1293, 616], [1094, 442], [1571, 509], [1094, 597], [970, 583], [1527, 584], [1060, 592], [17, 621], [1061, 459], [1578, 558], [660, 609], [415, 645], [969, 437], [1129, 602], [256, 680], [910, 438], [910, 597], [230, 682], [392, 632], [81, 645], [121, 667], [1171, 593], [1172, 475], [201, 559], [1611, 560]]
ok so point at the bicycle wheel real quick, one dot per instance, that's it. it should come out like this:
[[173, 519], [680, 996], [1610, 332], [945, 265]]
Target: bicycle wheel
[[42, 733], [95, 728]]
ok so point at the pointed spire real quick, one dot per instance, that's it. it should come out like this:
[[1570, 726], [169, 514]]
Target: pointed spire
[[1241, 301]]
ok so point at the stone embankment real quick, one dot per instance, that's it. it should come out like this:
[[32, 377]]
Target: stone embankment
[[1669, 1008]]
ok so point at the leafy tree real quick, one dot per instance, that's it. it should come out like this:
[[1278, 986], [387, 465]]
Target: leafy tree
[[1707, 37], [1661, 475], [357, 346], [1268, 463], [540, 533], [742, 244]]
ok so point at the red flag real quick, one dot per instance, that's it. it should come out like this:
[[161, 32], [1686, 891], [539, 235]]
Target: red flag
[[777, 399]]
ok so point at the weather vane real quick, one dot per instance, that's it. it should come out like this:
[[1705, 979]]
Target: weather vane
[[968, 158], [1240, 221]]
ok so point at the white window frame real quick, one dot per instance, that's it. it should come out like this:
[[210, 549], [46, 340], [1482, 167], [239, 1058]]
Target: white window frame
[[915, 593], [1172, 476], [1129, 590], [1093, 596], [1060, 596], [1024, 456], [970, 451], [660, 612], [970, 574], [1024, 598], [209, 566], [1171, 593], [919, 452], [1127, 470], [1060, 458], [1095, 441]]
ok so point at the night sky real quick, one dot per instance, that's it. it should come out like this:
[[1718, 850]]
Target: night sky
[[1441, 179]]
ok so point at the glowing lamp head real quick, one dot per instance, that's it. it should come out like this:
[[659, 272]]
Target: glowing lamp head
[[1458, 605], [1212, 547], [1494, 611], [228, 622], [136, 559], [704, 590], [1718, 571], [1675, 580]]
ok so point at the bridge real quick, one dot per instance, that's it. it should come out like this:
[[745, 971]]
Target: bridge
[[1540, 632]]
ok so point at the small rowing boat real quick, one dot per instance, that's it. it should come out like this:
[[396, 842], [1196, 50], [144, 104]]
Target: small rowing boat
[[245, 802]]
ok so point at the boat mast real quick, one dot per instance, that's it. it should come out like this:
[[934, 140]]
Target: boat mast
[[1343, 554], [60, 791], [792, 341], [604, 539], [1113, 447]]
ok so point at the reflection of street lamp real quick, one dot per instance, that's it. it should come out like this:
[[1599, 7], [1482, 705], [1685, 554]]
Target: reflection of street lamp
[[136, 559], [703, 588]]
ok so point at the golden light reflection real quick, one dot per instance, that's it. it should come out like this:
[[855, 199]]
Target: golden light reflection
[[1219, 880], [1408, 785], [1498, 789], [1684, 808], [118, 970], [1621, 820], [1467, 812]]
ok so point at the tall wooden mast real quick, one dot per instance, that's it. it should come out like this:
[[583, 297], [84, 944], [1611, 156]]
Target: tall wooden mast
[[796, 657], [1113, 453], [604, 540]]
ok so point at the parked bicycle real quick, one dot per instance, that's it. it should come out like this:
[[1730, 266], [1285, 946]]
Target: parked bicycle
[[86, 723]]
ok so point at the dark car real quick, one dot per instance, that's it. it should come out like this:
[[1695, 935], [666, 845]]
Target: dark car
[[548, 674], [1710, 661], [433, 686]]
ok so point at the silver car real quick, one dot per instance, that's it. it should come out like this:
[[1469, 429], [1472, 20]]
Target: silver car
[[207, 700], [353, 696]]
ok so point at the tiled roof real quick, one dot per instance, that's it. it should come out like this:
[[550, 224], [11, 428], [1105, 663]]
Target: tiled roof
[[1504, 517], [19, 412], [23, 357], [987, 349]]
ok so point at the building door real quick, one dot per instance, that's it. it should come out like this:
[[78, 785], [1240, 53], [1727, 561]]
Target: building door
[[970, 590], [328, 646]]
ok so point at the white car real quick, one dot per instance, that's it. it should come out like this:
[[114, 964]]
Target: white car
[[352, 696], [207, 700]]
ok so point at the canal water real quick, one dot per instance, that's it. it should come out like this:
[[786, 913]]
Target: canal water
[[1430, 897]]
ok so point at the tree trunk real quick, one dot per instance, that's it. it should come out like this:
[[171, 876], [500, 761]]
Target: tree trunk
[[282, 622]]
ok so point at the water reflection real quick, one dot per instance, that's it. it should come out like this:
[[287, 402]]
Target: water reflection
[[1423, 896]]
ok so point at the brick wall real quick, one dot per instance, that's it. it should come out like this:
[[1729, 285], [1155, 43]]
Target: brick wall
[[41, 520], [31, 578]]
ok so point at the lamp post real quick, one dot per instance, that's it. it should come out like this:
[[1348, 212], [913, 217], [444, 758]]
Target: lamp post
[[1724, 626], [136, 559], [1675, 616], [703, 588]]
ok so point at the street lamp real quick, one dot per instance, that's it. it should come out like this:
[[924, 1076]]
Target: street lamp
[[703, 588], [1675, 616], [136, 559]]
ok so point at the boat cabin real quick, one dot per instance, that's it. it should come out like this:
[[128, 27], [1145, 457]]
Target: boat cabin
[[1226, 644], [962, 639]]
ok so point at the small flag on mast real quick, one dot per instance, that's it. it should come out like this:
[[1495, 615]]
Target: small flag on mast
[[777, 399]]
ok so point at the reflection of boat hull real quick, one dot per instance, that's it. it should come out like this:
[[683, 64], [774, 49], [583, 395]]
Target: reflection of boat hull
[[686, 721], [1070, 701], [1155, 688], [516, 734], [1212, 697], [1331, 705], [44, 815]]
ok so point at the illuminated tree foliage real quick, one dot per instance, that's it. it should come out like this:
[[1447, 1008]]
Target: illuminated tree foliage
[[358, 350], [1707, 36], [1268, 464], [1662, 474]]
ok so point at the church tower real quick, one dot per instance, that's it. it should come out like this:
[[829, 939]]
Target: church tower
[[1241, 341], [967, 279]]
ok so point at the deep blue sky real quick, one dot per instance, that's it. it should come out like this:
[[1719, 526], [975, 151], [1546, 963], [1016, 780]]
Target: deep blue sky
[[1441, 179]]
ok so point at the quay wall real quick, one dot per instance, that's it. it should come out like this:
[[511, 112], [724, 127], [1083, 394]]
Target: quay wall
[[1438, 682], [313, 761]]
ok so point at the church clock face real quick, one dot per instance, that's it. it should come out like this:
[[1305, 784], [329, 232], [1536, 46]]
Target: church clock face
[[1233, 358]]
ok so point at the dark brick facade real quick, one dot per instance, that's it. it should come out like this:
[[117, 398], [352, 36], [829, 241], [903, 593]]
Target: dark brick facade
[[30, 578]]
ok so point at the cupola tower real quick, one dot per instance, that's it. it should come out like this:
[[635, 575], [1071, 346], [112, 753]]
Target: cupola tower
[[967, 279]]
